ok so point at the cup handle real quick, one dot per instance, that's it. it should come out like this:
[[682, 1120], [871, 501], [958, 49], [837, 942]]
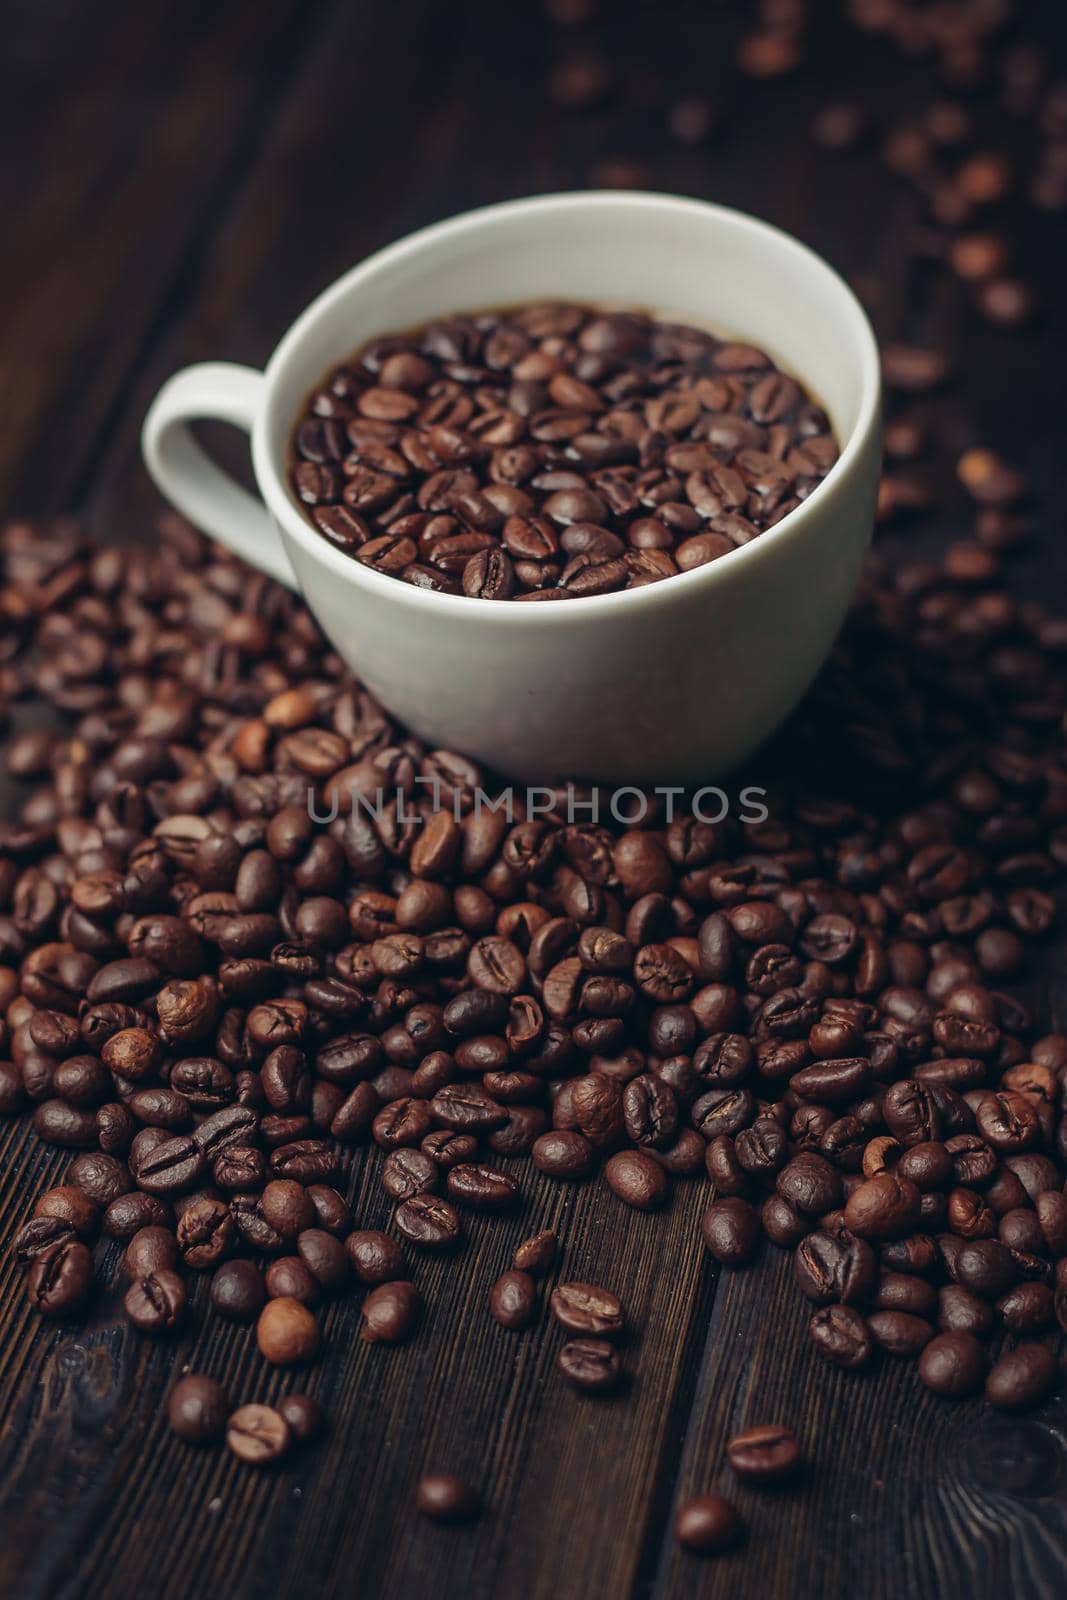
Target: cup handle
[[188, 477]]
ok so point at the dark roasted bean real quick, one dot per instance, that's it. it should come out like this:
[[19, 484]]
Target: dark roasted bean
[[708, 1525], [764, 1454], [391, 1312], [593, 1365], [585, 1308], [512, 1299], [444, 1498], [429, 1221], [197, 1409]]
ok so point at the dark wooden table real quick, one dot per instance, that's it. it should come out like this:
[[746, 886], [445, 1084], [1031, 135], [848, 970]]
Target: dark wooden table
[[177, 182]]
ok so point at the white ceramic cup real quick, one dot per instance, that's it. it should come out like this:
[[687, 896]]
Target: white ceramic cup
[[676, 682]]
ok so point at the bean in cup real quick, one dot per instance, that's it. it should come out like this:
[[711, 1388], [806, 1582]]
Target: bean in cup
[[553, 451]]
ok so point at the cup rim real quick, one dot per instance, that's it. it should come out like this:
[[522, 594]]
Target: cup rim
[[269, 470]]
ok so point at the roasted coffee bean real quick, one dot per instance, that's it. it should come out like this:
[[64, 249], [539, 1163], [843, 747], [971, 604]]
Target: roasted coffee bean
[[587, 1309], [56, 1122], [650, 1111], [952, 1364], [197, 1409], [173, 1166], [307, 1161], [206, 1232], [899, 1333], [447, 1149], [156, 1302], [841, 1335], [536, 1255], [286, 1206], [708, 1525], [289, 1278], [466, 1108], [985, 1267], [1027, 1308], [809, 1183], [231, 1126], [103, 1178], [444, 1498], [257, 1435], [408, 1172], [731, 1229], [637, 1179], [783, 1223], [240, 1167], [36, 1238], [237, 1291], [482, 1188], [564, 1153], [764, 1454], [593, 1365], [512, 1299], [429, 1221], [304, 1416], [884, 1207], [903, 1291], [835, 1266], [72, 1206], [331, 1209], [1021, 1377], [324, 1256], [391, 1312], [960, 1311], [375, 1256], [59, 1277]]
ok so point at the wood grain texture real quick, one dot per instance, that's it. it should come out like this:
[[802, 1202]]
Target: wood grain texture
[[126, 126], [177, 190]]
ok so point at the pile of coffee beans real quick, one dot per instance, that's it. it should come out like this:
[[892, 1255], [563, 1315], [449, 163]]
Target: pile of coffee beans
[[553, 452], [208, 996]]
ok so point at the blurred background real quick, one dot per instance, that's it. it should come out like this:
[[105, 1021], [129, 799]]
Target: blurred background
[[179, 181]]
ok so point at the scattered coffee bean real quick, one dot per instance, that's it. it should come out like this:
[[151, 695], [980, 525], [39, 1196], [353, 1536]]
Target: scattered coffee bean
[[391, 1312], [304, 1416], [258, 1435], [197, 1409], [953, 1364], [60, 1277], [1021, 1377], [238, 1291], [156, 1302], [591, 1364], [840, 1334], [287, 1333], [536, 1255], [764, 1454], [446, 1499], [512, 1299], [731, 1231], [429, 1221], [585, 1308], [708, 1525], [375, 1256], [637, 1179]]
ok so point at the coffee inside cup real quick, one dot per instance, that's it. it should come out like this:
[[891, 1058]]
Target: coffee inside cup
[[553, 451]]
